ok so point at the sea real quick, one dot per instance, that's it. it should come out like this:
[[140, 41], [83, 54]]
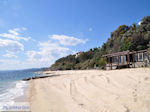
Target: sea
[[11, 84]]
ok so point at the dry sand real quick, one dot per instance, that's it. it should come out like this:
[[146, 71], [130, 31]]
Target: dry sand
[[126, 90]]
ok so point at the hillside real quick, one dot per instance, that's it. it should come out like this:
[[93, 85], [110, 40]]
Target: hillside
[[134, 37]]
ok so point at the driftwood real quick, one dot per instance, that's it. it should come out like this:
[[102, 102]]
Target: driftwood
[[39, 77]]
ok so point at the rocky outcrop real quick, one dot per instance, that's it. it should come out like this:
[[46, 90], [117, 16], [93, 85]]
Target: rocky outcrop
[[38, 77]]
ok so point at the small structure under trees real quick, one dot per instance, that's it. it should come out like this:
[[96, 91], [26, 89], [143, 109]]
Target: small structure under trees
[[130, 59]]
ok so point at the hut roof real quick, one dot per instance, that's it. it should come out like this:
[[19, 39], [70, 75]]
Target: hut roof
[[123, 53]]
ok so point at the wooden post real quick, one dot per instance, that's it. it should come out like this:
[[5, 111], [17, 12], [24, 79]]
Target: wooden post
[[118, 62], [148, 53], [128, 60], [143, 56], [111, 63], [103, 62], [133, 58]]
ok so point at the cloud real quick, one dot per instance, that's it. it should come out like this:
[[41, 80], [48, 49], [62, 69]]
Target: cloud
[[47, 54], [10, 55], [11, 45], [68, 40], [10, 64], [9, 61], [15, 34]]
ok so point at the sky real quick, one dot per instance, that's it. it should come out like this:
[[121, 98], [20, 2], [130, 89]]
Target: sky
[[35, 33]]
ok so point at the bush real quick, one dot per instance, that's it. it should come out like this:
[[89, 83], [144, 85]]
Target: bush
[[91, 63], [101, 63]]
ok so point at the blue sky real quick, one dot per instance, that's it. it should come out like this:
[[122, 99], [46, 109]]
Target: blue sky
[[34, 33]]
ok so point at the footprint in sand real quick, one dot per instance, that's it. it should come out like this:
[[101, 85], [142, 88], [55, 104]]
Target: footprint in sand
[[134, 93]]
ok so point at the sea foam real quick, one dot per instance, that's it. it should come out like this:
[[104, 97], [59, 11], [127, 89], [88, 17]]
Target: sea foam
[[12, 93]]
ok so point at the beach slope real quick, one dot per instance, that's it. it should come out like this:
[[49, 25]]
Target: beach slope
[[126, 90]]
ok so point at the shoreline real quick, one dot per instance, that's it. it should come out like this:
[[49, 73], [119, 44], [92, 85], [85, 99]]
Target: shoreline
[[91, 90], [14, 96], [23, 98]]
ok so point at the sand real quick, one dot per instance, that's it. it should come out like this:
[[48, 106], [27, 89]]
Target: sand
[[126, 90]]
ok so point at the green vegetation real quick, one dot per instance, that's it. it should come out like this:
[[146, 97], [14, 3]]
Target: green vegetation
[[134, 37]]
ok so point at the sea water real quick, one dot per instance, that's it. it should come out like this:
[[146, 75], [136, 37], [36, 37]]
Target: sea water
[[11, 84]]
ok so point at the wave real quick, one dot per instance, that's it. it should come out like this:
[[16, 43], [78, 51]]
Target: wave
[[12, 93]]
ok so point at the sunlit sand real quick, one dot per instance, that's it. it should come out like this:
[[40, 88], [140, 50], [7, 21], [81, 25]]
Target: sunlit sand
[[126, 90]]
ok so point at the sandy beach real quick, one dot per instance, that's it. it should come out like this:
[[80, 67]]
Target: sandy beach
[[126, 90]]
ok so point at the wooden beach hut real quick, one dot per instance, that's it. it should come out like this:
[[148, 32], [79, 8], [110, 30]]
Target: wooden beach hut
[[126, 59]]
